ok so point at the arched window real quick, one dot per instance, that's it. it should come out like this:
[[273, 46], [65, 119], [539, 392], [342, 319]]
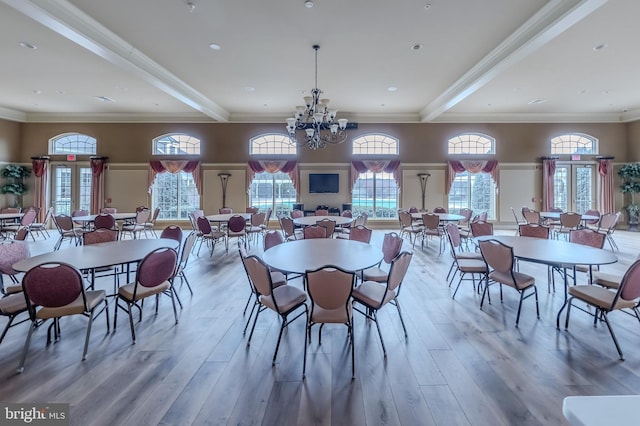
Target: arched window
[[72, 143], [176, 144], [272, 144], [375, 144], [471, 143], [574, 143], [376, 193], [175, 194], [475, 191], [272, 190]]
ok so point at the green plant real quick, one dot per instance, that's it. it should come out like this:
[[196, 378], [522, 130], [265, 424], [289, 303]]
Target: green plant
[[14, 171], [630, 177], [14, 188]]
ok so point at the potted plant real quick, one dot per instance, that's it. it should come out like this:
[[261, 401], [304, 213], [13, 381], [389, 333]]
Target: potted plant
[[14, 175], [630, 177]]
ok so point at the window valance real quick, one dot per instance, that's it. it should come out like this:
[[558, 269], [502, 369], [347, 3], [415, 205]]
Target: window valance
[[473, 166], [375, 166], [273, 166], [175, 166]]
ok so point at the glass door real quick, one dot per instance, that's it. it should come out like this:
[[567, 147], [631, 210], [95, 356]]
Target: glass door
[[71, 188], [574, 187]]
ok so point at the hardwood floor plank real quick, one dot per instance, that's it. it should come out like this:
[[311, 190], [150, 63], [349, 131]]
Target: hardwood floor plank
[[443, 406]]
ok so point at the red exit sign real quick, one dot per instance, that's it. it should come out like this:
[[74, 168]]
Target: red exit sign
[[71, 157]]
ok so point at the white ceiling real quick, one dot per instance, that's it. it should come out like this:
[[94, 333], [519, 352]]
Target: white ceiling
[[480, 61]]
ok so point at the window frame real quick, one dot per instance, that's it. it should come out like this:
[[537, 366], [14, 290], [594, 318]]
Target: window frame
[[190, 143], [377, 140], [595, 149], [273, 151], [53, 142], [491, 140]]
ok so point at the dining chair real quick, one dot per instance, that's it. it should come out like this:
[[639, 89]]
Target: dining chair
[[408, 228], [329, 289], [150, 224], [255, 225], [500, 270], [463, 265], [360, 233], [225, 210], [439, 210], [236, 228], [267, 217], [104, 221], [329, 224], [271, 239], [344, 229], [10, 253], [252, 210], [480, 228], [138, 226], [25, 222], [608, 280], [97, 236], [413, 209], [568, 221], [531, 216], [534, 230], [40, 228], [605, 301], [607, 224], [154, 276], [391, 246], [208, 234], [322, 212], [22, 234], [588, 237], [109, 210], [55, 290], [314, 231], [464, 223], [457, 253], [277, 279], [517, 220], [290, 233], [374, 295], [295, 214], [592, 223], [79, 212], [67, 231], [284, 300], [431, 228], [11, 306], [185, 251], [173, 232]]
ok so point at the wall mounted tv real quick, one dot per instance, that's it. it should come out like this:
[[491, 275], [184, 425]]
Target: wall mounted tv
[[324, 183]]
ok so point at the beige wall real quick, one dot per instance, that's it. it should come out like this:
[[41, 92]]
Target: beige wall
[[225, 148]]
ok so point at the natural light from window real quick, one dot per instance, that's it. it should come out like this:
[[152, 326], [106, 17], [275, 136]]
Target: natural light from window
[[375, 144], [272, 144], [574, 143], [72, 143], [471, 143], [176, 144]]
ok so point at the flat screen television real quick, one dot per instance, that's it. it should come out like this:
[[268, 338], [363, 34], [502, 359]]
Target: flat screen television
[[324, 183]]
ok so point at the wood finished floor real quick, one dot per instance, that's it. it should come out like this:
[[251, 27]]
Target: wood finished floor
[[459, 365]]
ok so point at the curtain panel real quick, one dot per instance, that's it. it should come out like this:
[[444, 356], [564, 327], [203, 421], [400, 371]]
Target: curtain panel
[[473, 166], [606, 195], [375, 166], [40, 170], [548, 192], [98, 165], [175, 166], [273, 166]]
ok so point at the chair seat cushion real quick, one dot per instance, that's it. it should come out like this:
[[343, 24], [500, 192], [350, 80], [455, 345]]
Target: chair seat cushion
[[278, 278], [75, 307], [598, 296], [522, 281], [468, 255], [472, 265], [372, 294], [13, 304], [287, 297], [126, 291], [375, 274], [607, 280]]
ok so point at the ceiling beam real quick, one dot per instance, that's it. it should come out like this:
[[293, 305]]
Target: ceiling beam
[[70, 22], [554, 18]]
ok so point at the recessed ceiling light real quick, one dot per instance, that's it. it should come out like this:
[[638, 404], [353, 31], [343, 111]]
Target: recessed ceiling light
[[605, 92], [582, 91], [214, 46], [104, 98], [600, 46], [416, 46], [37, 92], [27, 45], [427, 6], [537, 101], [308, 4], [249, 89], [392, 89], [382, 105]]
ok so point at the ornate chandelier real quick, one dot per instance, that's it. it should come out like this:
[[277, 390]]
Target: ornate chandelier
[[316, 120]]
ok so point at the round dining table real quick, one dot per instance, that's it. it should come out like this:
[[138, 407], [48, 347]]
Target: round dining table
[[312, 220], [444, 217], [94, 256], [556, 216], [557, 253], [116, 216], [301, 255], [224, 217]]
